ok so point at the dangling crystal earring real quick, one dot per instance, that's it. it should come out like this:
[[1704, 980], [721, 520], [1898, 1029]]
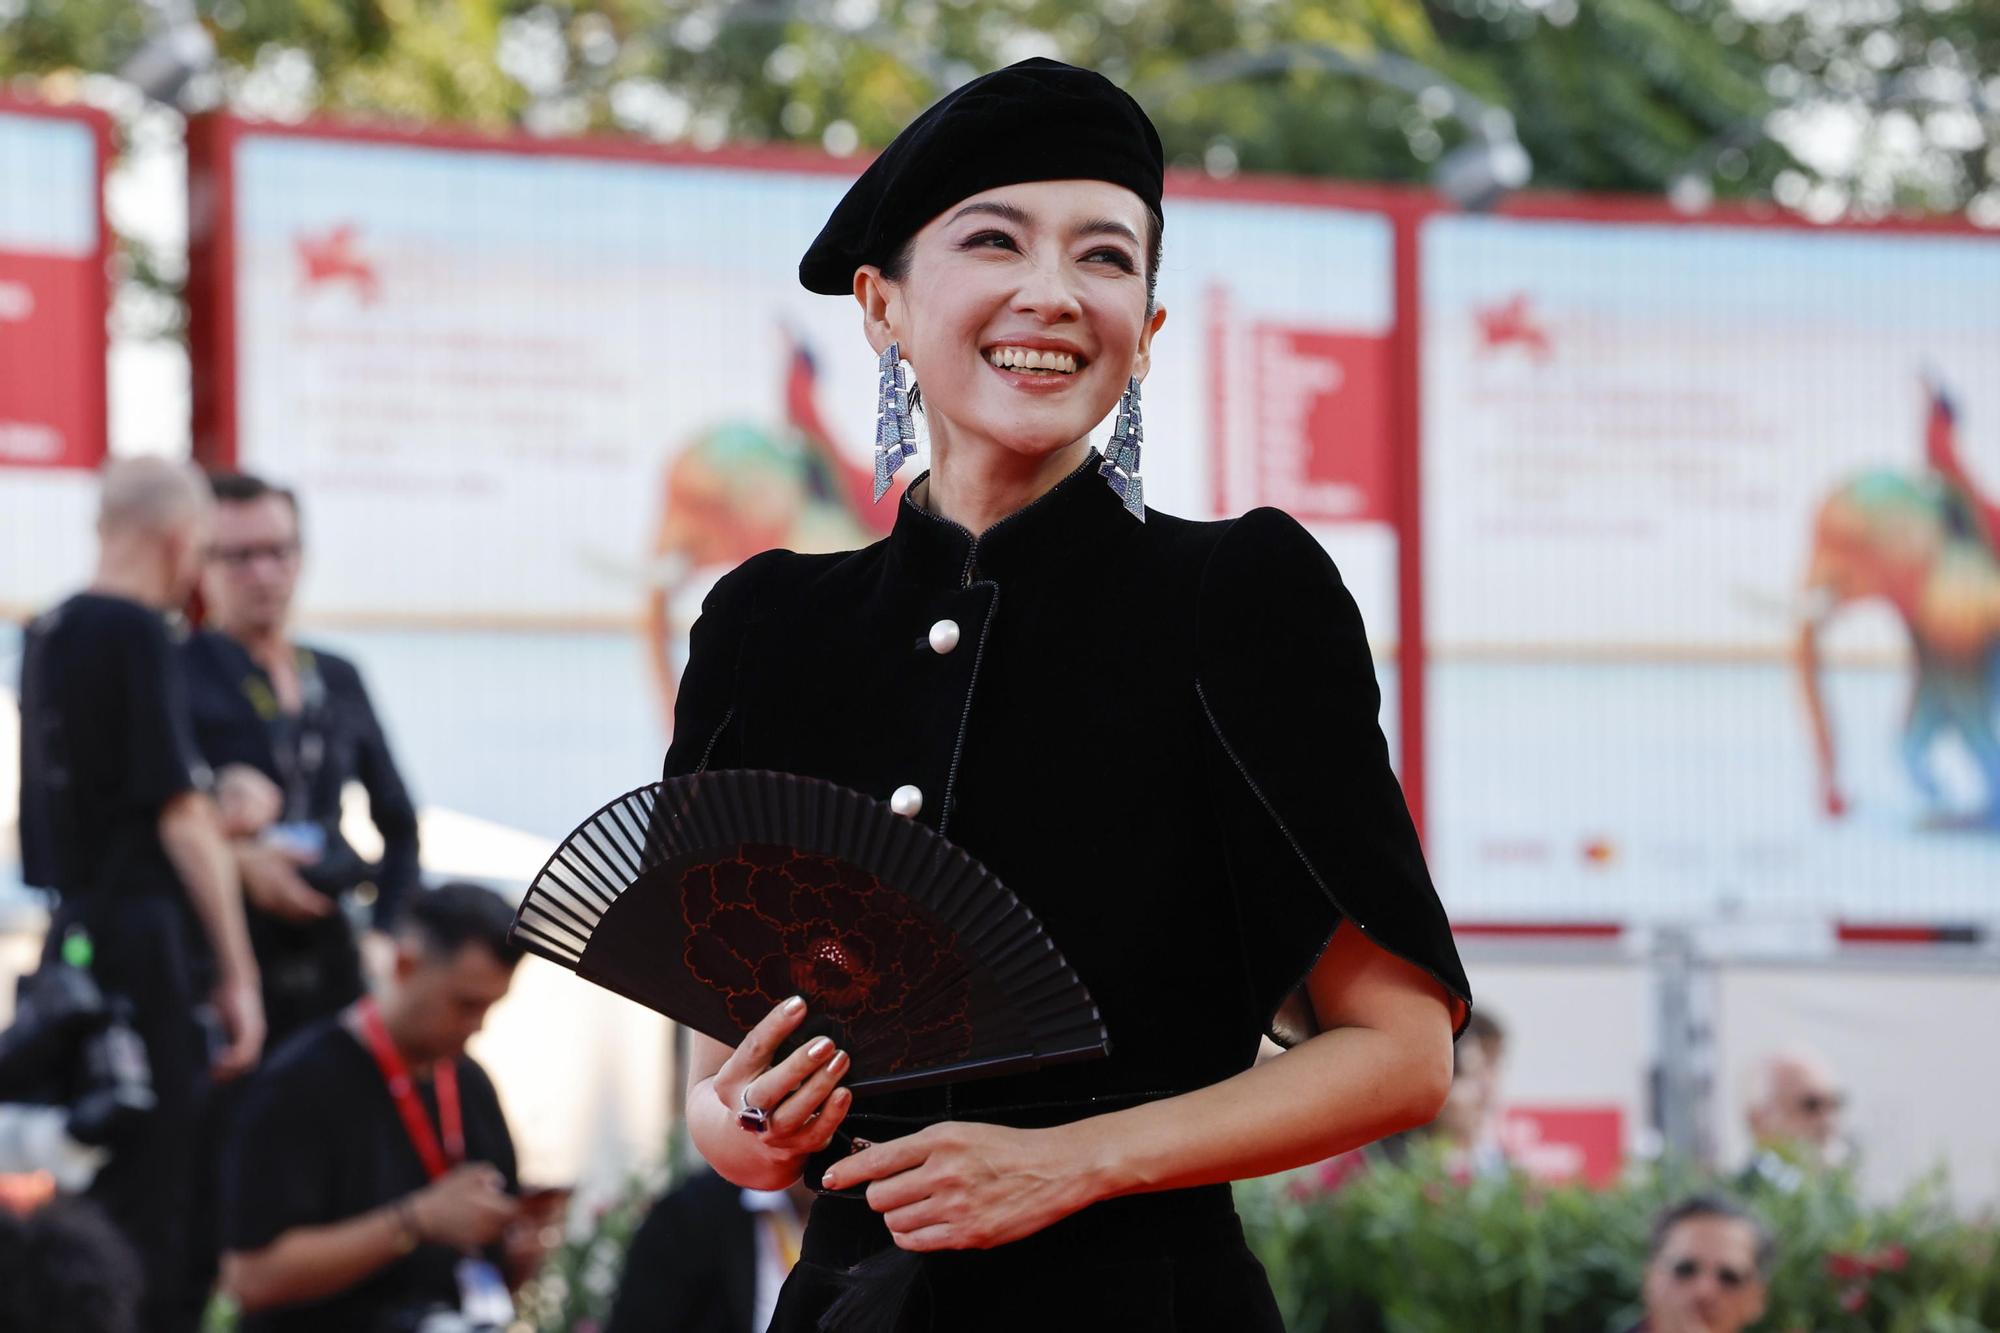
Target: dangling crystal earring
[[895, 430], [1121, 453]]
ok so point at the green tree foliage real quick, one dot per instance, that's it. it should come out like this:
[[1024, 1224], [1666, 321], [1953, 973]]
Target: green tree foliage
[[433, 60], [1605, 94], [1902, 91], [1830, 105]]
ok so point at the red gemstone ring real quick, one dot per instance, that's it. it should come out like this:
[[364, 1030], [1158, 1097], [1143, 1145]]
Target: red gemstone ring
[[751, 1117]]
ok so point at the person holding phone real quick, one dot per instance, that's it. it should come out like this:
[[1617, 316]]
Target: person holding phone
[[370, 1176]]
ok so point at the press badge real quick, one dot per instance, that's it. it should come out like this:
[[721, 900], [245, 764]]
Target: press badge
[[482, 1295]]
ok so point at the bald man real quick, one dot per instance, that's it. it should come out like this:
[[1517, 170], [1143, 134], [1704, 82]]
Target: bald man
[[1794, 1112], [115, 818]]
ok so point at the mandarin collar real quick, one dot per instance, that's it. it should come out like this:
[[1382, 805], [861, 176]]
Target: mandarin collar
[[1049, 534]]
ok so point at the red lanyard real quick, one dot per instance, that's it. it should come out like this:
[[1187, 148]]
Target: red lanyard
[[444, 1076]]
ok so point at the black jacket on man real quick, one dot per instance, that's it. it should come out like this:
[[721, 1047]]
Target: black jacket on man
[[106, 746], [310, 969]]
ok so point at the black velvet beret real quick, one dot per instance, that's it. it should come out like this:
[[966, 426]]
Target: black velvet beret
[[1038, 120]]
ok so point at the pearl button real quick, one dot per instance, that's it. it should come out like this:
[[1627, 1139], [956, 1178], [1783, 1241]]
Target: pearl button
[[906, 801], [944, 636]]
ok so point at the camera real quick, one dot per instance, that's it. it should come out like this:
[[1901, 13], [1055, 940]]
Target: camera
[[71, 1046]]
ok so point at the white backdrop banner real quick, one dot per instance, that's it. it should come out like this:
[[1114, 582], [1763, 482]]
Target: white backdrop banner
[[1687, 488], [524, 386]]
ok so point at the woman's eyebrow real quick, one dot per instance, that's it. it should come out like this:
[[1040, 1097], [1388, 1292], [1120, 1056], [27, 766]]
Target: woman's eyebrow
[[1020, 218], [1104, 227]]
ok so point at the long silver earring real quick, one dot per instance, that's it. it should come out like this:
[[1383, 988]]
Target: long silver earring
[[1121, 453], [895, 429]]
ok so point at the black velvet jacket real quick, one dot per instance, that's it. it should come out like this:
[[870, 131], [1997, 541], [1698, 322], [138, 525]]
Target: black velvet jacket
[[1161, 736]]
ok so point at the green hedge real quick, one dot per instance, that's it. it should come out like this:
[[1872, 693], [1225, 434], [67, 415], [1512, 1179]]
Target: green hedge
[[1410, 1250]]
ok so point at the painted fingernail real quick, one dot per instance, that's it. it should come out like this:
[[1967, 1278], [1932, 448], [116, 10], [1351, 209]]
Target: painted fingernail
[[839, 1061], [817, 1048], [795, 1006]]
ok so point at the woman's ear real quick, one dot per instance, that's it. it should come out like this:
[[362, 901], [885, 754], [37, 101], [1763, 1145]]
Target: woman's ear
[[1143, 361], [878, 299]]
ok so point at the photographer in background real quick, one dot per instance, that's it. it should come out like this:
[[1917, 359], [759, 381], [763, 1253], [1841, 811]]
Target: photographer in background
[[287, 727], [74, 1082], [115, 820]]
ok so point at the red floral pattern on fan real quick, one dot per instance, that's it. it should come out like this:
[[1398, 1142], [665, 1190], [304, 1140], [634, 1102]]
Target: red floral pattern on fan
[[775, 921]]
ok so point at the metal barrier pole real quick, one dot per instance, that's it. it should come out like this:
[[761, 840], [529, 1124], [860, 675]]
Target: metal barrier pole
[[1683, 1080]]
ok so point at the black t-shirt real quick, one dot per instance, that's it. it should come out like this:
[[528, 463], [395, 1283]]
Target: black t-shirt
[[106, 742], [335, 739], [318, 1140]]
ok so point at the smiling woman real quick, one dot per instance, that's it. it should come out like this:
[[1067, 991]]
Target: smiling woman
[[1020, 224], [1161, 735]]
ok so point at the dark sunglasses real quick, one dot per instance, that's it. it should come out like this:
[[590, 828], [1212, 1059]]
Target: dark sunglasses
[[1822, 1103], [237, 557], [1687, 1270]]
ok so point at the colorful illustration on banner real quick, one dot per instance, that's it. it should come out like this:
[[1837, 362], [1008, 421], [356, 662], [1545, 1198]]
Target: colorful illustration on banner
[[1922, 540], [738, 488]]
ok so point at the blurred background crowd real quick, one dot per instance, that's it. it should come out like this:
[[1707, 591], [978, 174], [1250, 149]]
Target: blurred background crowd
[[427, 361]]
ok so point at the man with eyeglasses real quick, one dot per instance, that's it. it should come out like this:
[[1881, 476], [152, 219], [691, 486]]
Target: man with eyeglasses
[[1707, 1268], [1794, 1112], [287, 727]]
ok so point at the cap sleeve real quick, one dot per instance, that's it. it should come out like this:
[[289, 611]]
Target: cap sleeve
[[1314, 823]]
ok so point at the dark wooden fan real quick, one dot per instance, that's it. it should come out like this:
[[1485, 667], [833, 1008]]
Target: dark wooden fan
[[710, 898]]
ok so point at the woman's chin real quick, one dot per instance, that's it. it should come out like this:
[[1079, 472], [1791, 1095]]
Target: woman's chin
[[1035, 429], [1033, 443], [1027, 434]]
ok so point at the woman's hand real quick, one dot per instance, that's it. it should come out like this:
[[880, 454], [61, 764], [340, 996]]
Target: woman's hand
[[802, 1102], [962, 1186]]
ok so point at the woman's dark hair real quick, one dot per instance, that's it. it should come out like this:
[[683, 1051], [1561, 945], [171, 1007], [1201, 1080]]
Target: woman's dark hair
[[451, 916], [65, 1269]]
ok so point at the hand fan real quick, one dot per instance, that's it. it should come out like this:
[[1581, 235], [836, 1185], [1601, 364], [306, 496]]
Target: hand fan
[[713, 897]]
